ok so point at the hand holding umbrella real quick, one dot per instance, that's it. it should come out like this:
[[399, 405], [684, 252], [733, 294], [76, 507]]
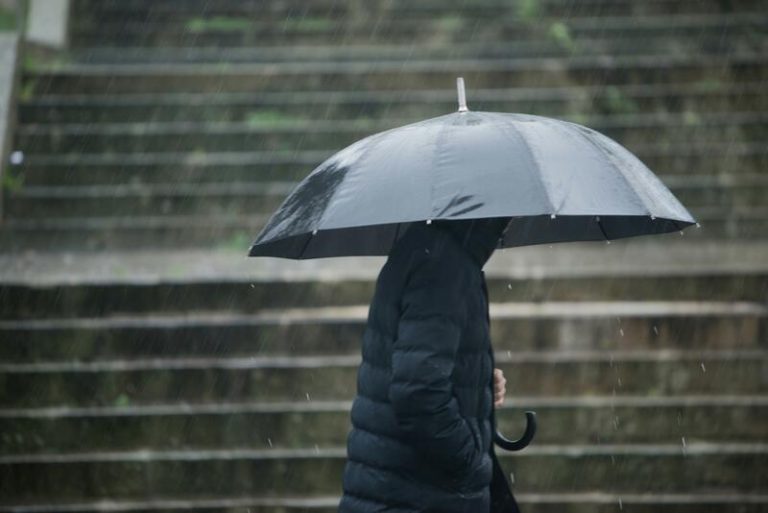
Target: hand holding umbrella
[[499, 387]]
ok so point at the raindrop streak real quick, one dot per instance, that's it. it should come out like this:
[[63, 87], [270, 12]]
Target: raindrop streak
[[621, 331], [308, 399], [621, 506], [656, 331], [703, 368], [269, 441]]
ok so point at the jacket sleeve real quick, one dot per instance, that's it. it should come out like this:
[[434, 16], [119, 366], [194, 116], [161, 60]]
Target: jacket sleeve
[[421, 393]]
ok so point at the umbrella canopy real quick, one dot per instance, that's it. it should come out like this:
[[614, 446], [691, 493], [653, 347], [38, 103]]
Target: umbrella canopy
[[559, 181]]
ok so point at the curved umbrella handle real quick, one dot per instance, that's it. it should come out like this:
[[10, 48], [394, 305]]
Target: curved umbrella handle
[[522, 443]]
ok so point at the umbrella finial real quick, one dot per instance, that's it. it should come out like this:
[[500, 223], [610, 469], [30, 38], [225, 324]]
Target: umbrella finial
[[462, 94]]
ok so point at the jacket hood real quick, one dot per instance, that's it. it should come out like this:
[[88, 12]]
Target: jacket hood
[[479, 237]]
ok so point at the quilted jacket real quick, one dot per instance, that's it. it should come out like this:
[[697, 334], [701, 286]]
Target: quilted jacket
[[421, 435]]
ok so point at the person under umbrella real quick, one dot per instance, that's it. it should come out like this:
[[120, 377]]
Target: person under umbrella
[[422, 420], [437, 197]]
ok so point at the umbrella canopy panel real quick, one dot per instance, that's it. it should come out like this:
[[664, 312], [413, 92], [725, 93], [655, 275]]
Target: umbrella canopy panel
[[558, 181]]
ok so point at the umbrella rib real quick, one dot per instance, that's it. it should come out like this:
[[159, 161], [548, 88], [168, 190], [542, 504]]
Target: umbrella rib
[[304, 247], [600, 225], [394, 240], [433, 169]]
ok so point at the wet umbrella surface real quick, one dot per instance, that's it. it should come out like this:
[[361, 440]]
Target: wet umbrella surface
[[560, 181]]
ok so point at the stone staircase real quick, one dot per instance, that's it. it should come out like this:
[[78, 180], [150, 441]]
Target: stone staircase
[[146, 364]]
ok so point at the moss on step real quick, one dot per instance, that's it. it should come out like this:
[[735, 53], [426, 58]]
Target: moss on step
[[8, 19], [217, 23], [308, 24], [269, 117], [12, 180], [239, 241], [528, 10]]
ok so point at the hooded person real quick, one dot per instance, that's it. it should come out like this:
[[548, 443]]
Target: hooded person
[[422, 419]]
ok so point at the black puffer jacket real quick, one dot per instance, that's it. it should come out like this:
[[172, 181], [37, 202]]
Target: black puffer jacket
[[421, 421]]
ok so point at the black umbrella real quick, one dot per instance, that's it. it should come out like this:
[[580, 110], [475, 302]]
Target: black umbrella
[[558, 181]]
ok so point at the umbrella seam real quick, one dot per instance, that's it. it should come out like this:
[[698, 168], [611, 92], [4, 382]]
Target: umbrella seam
[[433, 168], [504, 129], [556, 125], [602, 230]]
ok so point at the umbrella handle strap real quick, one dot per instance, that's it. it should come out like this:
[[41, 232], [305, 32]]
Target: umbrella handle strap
[[523, 441]]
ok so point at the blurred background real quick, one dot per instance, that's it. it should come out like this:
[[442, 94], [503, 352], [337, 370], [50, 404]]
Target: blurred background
[[146, 364]]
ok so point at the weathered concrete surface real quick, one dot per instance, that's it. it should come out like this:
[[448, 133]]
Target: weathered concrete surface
[[620, 258]]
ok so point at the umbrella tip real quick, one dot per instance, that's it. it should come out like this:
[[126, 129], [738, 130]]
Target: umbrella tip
[[462, 94]]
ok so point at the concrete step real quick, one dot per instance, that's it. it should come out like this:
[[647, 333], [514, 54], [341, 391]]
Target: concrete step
[[622, 468], [622, 259], [296, 107], [262, 199], [125, 201], [221, 169], [403, 74], [671, 131], [368, 28], [233, 231], [142, 10], [593, 502], [518, 326], [524, 46], [722, 159], [185, 426], [585, 502], [79, 285], [332, 377]]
